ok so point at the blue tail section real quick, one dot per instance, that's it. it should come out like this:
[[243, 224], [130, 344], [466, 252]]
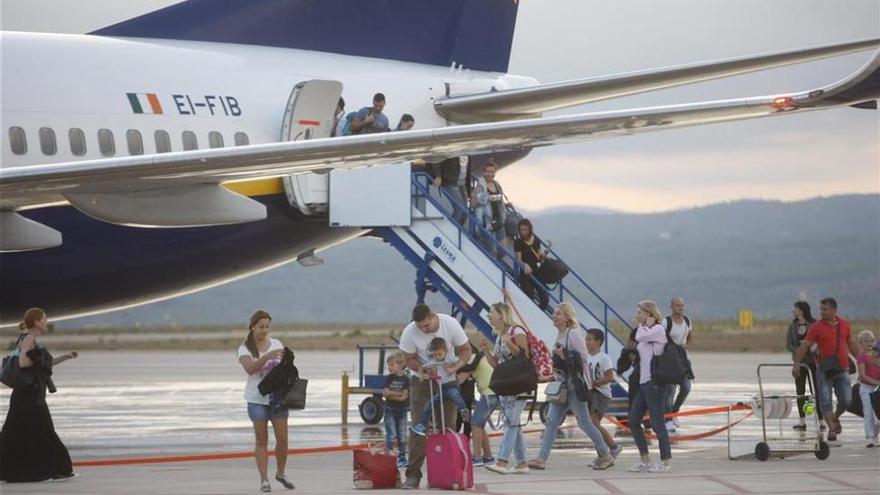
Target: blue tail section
[[475, 33]]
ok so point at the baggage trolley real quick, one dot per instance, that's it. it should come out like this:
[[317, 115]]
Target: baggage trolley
[[776, 442]]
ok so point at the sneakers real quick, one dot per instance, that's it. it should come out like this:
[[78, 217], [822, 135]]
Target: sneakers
[[616, 449], [495, 468], [602, 464], [284, 481], [639, 467], [832, 436], [465, 415], [402, 462], [418, 429], [538, 464], [265, 487], [660, 467], [488, 461], [670, 426], [478, 462], [410, 484], [521, 469], [675, 421], [62, 477]]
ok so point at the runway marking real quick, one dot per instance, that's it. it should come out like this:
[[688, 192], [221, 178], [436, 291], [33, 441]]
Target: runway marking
[[732, 486], [613, 490], [835, 480]]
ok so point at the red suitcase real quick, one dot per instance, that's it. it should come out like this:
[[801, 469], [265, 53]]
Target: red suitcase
[[374, 467], [448, 455]]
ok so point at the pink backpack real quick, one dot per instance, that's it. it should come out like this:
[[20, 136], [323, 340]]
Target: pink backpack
[[540, 357]]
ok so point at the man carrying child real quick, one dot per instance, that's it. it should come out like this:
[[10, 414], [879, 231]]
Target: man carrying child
[[396, 393], [442, 369]]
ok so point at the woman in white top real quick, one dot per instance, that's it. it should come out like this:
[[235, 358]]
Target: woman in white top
[[650, 339], [258, 355], [511, 341]]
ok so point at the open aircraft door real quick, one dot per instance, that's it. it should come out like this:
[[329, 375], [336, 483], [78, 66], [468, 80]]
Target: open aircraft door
[[310, 114]]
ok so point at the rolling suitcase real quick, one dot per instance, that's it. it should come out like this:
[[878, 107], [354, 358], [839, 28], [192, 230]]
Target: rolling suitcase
[[448, 455]]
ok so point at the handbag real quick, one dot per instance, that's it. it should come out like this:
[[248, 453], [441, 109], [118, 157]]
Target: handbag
[[374, 467], [10, 370], [574, 373], [511, 220], [556, 392], [295, 398], [831, 365], [668, 368], [514, 376], [551, 271]]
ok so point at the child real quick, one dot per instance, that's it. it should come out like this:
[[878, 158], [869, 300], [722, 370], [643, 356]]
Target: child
[[601, 376], [442, 370], [869, 378], [396, 393]]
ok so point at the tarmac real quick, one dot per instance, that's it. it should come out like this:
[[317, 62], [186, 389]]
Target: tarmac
[[697, 469]]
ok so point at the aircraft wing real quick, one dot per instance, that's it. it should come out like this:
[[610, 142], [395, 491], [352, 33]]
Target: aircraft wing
[[533, 101], [183, 188]]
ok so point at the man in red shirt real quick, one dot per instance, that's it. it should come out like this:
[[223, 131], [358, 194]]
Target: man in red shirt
[[833, 336]]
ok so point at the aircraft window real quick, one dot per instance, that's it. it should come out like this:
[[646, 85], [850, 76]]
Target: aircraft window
[[47, 141], [215, 139], [17, 140], [135, 142], [190, 142], [241, 139], [106, 142], [77, 141], [163, 142]]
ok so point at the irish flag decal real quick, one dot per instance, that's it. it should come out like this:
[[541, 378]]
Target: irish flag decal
[[144, 103]]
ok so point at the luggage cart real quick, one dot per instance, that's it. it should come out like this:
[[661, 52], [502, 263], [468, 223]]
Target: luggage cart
[[780, 443]]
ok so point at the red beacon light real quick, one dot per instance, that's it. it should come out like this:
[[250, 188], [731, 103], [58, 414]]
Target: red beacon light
[[783, 103]]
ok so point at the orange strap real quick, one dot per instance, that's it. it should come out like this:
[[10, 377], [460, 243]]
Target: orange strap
[[209, 457], [697, 436]]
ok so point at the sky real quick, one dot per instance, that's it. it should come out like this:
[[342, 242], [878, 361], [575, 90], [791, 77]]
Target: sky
[[788, 158]]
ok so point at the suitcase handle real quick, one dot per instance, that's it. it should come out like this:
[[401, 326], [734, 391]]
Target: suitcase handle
[[442, 412]]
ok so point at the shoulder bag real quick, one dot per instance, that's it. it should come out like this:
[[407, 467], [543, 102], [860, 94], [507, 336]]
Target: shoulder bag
[[831, 365]]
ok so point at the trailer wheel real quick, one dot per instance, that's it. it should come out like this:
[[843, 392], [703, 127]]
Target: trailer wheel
[[824, 451], [371, 410], [762, 451]]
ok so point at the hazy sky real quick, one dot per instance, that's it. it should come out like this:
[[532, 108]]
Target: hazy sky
[[793, 157]]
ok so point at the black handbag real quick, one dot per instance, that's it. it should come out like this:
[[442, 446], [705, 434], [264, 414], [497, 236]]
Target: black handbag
[[831, 365], [575, 373], [295, 398], [514, 376], [11, 374], [511, 221], [551, 271], [668, 368]]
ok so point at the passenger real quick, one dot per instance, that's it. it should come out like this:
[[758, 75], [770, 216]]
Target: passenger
[[487, 198], [832, 334], [30, 450], [406, 123], [529, 254], [450, 175], [338, 118], [650, 338], [483, 409], [442, 368], [797, 330], [680, 330], [570, 337], [869, 379], [396, 393], [414, 342], [370, 120], [601, 377], [510, 341], [258, 355]]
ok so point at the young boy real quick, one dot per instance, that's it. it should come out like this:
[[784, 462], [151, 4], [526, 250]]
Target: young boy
[[396, 393], [601, 376], [442, 369], [869, 378]]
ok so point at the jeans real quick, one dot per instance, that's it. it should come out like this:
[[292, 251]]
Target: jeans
[[512, 441], [419, 395], [843, 389], [395, 428], [451, 392], [483, 409], [868, 410], [650, 398], [673, 403], [557, 415]]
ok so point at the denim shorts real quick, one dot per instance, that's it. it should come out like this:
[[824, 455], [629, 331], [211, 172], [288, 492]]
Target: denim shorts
[[483, 408], [262, 412]]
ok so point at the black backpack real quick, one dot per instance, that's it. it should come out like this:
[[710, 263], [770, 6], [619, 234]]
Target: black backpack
[[685, 360]]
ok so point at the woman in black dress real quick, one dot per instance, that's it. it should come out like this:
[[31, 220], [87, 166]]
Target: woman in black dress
[[530, 254], [30, 450]]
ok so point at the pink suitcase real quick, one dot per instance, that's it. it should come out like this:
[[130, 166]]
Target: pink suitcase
[[448, 455]]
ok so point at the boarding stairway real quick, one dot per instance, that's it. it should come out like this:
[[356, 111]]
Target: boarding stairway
[[467, 265]]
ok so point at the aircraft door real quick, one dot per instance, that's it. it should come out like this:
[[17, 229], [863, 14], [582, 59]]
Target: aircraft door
[[310, 114]]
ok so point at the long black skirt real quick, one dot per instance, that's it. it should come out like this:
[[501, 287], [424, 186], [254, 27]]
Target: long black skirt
[[30, 450]]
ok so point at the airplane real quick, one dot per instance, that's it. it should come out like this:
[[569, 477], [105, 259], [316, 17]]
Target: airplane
[[162, 155]]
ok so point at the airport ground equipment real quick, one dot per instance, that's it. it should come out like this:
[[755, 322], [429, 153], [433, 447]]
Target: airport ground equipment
[[373, 406], [777, 438]]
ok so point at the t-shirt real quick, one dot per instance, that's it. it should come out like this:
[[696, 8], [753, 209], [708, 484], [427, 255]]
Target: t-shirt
[[380, 121], [871, 369], [598, 364], [576, 342], [396, 383], [502, 352], [443, 375], [679, 332], [528, 253], [415, 341], [251, 390], [825, 334]]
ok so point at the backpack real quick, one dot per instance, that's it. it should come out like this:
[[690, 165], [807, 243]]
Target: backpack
[[685, 361], [668, 319], [540, 357], [346, 127]]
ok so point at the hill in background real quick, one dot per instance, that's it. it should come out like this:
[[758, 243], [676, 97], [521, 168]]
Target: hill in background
[[762, 255]]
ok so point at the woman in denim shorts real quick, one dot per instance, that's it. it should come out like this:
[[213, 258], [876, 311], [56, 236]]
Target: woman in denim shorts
[[258, 355]]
